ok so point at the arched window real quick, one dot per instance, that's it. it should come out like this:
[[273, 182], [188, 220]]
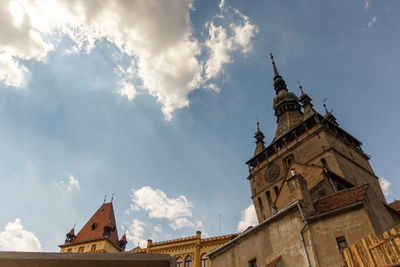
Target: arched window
[[188, 261], [204, 261], [179, 262]]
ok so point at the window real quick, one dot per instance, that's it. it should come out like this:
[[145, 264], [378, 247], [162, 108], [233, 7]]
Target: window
[[94, 225], [276, 191], [261, 206], [188, 261], [204, 261], [253, 263], [179, 262], [69, 250], [80, 249], [93, 248], [269, 200], [341, 242]]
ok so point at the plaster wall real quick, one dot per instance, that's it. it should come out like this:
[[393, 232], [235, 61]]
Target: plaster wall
[[352, 224], [278, 237]]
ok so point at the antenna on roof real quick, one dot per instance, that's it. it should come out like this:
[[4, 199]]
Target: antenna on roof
[[105, 197], [112, 197]]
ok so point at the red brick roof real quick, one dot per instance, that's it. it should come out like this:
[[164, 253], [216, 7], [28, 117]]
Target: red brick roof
[[104, 216], [340, 199], [395, 205], [273, 262]]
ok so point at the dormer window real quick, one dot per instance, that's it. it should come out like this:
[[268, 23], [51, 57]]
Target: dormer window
[[94, 225]]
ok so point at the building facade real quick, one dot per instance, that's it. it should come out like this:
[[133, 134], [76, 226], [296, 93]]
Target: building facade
[[189, 251], [313, 189], [99, 235]]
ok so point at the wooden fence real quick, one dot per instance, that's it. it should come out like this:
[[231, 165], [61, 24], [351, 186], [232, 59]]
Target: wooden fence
[[383, 250]]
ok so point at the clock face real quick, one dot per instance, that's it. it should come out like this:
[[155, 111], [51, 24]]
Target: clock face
[[272, 172]]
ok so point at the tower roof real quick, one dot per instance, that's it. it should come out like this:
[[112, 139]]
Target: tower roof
[[94, 228]]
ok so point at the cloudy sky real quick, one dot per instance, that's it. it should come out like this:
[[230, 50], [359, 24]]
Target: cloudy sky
[[156, 102]]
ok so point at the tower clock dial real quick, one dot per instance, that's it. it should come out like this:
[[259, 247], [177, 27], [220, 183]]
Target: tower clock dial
[[272, 172]]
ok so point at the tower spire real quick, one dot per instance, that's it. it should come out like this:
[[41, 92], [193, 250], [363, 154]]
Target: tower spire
[[276, 73], [279, 82]]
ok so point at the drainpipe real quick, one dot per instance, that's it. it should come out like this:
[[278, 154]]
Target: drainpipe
[[301, 234]]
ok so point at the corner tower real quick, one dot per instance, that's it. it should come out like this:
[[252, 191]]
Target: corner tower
[[307, 145]]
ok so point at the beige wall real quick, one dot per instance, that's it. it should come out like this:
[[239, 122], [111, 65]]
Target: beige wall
[[101, 245], [279, 237], [352, 224]]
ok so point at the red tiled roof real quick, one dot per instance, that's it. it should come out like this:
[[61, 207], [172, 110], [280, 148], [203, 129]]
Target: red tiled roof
[[340, 199], [104, 216], [273, 262], [395, 205]]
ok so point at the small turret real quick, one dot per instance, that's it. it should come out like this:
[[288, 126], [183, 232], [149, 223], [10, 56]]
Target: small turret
[[306, 103], [122, 243], [259, 136], [70, 236]]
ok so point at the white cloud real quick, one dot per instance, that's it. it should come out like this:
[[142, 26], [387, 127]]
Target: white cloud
[[159, 206], [128, 90], [15, 238], [72, 184], [167, 63], [135, 233], [385, 185], [372, 21], [249, 218]]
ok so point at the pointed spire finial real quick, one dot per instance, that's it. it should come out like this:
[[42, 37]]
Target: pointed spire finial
[[105, 198], [276, 73], [300, 86], [326, 110], [258, 126], [112, 197]]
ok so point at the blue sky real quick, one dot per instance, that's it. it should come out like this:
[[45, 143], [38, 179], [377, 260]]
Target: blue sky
[[156, 102]]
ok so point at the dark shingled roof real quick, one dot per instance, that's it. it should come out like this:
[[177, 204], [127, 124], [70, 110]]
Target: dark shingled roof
[[340, 199]]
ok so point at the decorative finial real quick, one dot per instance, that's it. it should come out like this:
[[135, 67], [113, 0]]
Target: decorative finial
[[326, 110], [105, 198], [258, 126], [300, 86], [112, 197], [272, 57]]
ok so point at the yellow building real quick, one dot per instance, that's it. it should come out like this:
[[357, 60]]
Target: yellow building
[[99, 235], [189, 251]]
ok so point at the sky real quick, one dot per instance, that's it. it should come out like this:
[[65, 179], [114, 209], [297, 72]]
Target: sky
[[156, 104]]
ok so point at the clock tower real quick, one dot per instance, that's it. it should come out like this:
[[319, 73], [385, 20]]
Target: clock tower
[[310, 146]]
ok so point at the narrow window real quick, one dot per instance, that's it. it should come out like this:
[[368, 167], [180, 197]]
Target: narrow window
[[69, 250], [204, 261], [179, 262], [269, 199], [93, 248], [260, 204], [253, 263], [188, 261], [276, 191], [80, 249]]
